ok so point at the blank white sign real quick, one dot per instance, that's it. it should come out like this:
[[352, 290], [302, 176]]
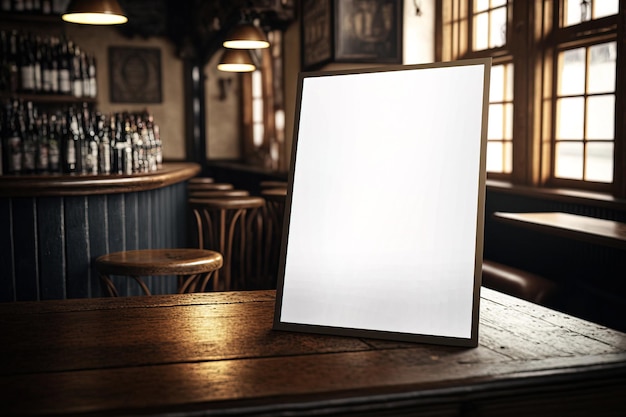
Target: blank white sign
[[384, 213]]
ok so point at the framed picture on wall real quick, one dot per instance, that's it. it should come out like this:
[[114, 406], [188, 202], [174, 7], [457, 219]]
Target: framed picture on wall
[[317, 36], [135, 75], [368, 31]]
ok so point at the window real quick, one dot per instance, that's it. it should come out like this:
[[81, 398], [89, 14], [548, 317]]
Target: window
[[556, 105], [263, 108]]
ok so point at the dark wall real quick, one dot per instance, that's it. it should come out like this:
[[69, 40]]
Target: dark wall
[[48, 244]]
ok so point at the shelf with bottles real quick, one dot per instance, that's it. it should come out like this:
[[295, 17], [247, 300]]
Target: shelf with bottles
[[77, 141], [42, 11]]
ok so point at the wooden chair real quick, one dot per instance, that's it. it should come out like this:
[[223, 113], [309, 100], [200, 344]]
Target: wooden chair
[[274, 213], [193, 267], [231, 226]]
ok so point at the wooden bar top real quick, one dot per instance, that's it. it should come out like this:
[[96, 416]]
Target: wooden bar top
[[585, 228], [216, 354], [68, 185]]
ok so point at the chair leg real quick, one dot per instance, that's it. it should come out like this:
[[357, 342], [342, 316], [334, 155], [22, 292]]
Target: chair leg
[[108, 285], [142, 284]]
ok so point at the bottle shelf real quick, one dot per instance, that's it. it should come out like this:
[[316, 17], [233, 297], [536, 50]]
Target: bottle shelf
[[47, 98]]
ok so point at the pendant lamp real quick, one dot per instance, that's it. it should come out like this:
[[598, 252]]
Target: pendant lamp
[[246, 36], [236, 60], [94, 12]]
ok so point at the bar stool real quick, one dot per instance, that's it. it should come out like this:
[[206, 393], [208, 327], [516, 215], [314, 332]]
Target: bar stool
[[193, 267], [218, 193], [216, 186], [274, 213], [272, 184], [201, 180], [230, 226]]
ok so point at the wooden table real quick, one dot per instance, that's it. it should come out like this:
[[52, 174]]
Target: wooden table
[[217, 352], [585, 228]]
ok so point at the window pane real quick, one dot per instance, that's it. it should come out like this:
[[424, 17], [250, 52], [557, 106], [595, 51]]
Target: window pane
[[257, 134], [481, 5], [569, 160], [508, 157], [496, 119], [494, 156], [508, 121], [572, 76], [572, 12], [508, 74], [599, 162], [498, 28], [601, 117], [603, 8], [496, 87], [602, 68], [496, 3], [257, 86], [481, 31], [257, 110], [570, 116]]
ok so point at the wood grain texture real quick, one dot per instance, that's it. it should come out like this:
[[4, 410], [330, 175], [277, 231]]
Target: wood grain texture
[[217, 352]]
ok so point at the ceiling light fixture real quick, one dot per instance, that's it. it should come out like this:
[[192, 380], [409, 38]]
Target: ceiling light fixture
[[236, 60], [94, 12], [246, 36]]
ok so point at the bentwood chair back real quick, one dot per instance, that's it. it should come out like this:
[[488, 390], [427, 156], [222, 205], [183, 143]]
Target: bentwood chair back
[[231, 226], [274, 215]]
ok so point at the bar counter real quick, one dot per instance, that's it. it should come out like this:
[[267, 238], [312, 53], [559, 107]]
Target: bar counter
[[54, 226], [217, 354]]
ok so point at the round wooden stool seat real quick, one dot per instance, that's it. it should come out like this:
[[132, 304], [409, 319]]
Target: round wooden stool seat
[[201, 180], [193, 267], [215, 186], [218, 193], [273, 184]]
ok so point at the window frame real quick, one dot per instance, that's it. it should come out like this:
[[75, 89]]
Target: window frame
[[534, 39]]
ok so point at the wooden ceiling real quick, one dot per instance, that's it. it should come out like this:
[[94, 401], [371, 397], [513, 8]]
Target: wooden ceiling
[[197, 26]]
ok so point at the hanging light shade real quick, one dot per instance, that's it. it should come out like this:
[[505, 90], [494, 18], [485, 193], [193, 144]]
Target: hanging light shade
[[236, 60], [246, 36], [94, 12]]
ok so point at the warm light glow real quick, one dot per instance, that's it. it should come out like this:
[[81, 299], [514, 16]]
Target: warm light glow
[[236, 67], [245, 44], [94, 18]]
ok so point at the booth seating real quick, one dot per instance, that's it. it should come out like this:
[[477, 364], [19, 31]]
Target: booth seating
[[233, 227], [193, 267], [518, 283]]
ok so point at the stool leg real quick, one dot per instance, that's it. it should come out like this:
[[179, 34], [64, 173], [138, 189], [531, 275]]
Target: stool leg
[[142, 285], [108, 285]]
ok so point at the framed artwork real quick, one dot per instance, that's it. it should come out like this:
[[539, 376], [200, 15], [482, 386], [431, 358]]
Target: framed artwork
[[317, 33], [135, 75], [368, 31], [360, 31]]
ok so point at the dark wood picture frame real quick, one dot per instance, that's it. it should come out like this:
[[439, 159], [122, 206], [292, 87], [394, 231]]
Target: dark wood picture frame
[[316, 33], [135, 75], [368, 31], [359, 31]]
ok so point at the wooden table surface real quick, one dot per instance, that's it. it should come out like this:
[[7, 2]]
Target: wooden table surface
[[585, 228], [216, 354]]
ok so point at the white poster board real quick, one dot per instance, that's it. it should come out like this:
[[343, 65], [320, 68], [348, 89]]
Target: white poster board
[[384, 213]]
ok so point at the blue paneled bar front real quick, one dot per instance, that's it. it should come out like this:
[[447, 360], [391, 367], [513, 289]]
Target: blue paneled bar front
[[52, 228]]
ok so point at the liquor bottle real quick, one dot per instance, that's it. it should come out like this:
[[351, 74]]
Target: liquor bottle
[[65, 86], [130, 163], [91, 145], [84, 74], [43, 145], [38, 57], [71, 144], [54, 151], [93, 85], [18, 6], [46, 67], [13, 145], [46, 7], [12, 62], [104, 153], [76, 72], [53, 65], [5, 5], [26, 66], [29, 139]]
